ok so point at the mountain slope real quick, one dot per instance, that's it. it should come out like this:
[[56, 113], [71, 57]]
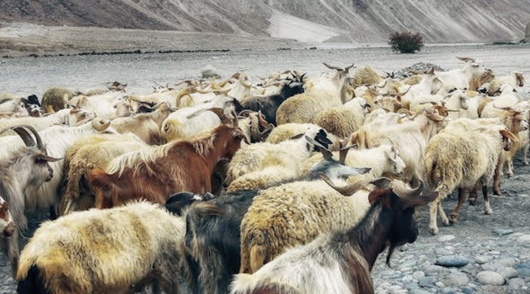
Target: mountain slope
[[305, 20]]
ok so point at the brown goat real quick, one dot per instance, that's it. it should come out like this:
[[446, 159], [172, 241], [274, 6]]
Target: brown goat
[[155, 173]]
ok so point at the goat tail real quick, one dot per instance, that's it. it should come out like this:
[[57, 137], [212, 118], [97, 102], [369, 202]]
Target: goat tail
[[32, 283]]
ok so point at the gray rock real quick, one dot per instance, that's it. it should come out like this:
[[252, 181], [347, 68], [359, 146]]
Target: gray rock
[[439, 284], [515, 284], [524, 272], [467, 290], [508, 272], [452, 261], [445, 238], [508, 262], [427, 281], [481, 259], [524, 240], [418, 291], [456, 279], [492, 266], [418, 275], [448, 291], [434, 269], [502, 232], [490, 278]]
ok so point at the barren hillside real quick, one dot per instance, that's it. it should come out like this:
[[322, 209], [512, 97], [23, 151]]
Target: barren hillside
[[362, 21]]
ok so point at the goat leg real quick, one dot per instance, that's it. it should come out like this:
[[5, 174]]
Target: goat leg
[[487, 208], [473, 196], [453, 218]]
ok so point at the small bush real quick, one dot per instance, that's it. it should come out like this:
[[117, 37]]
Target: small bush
[[406, 42]]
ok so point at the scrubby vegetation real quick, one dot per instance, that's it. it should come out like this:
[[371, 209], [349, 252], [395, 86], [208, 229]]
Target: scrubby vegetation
[[406, 42]]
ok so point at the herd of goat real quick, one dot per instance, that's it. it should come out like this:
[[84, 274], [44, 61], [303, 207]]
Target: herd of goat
[[238, 186]]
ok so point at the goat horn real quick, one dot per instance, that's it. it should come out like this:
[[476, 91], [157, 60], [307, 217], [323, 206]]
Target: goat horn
[[347, 69], [404, 192], [245, 113], [262, 121], [383, 85], [402, 93], [332, 67], [347, 190], [325, 151], [25, 136], [243, 82], [466, 59], [100, 124], [343, 153]]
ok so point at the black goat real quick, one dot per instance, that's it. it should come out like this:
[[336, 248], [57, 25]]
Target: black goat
[[268, 105]]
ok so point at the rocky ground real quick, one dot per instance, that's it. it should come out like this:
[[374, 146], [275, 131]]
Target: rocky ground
[[488, 253], [480, 254]]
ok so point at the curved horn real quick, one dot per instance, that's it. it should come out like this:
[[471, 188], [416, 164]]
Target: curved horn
[[466, 59], [347, 69], [332, 67], [405, 192], [383, 85], [188, 82], [243, 82], [245, 113], [261, 118], [343, 153], [25, 136], [402, 93], [325, 151], [347, 190], [100, 124]]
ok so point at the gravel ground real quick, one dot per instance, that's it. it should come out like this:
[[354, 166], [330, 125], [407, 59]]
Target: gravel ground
[[492, 251]]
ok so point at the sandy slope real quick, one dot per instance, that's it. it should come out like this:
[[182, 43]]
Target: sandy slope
[[360, 21], [21, 39]]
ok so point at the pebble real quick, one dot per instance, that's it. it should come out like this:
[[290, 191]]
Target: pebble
[[427, 281], [508, 273], [467, 290], [516, 284], [445, 238], [481, 259], [508, 262], [434, 269], [418, 291], [439, 284], [456, 279], [490, 278], [502, 232], [524, 272], [418, 275], [452, 261], [524, 240], [492, 266]]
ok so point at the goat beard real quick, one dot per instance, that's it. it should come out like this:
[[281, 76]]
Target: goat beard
[[390, 252]]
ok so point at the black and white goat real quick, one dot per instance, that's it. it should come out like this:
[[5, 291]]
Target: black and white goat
[[340, 262]]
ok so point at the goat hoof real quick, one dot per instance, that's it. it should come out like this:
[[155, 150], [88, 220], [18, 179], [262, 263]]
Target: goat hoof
[[510, 175], [488, 212], [472, 202], [496, 192], [453, 219], [525, 163], [445, 222], [433, 231]]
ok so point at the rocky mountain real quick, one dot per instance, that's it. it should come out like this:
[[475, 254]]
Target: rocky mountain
[[357, 21]]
